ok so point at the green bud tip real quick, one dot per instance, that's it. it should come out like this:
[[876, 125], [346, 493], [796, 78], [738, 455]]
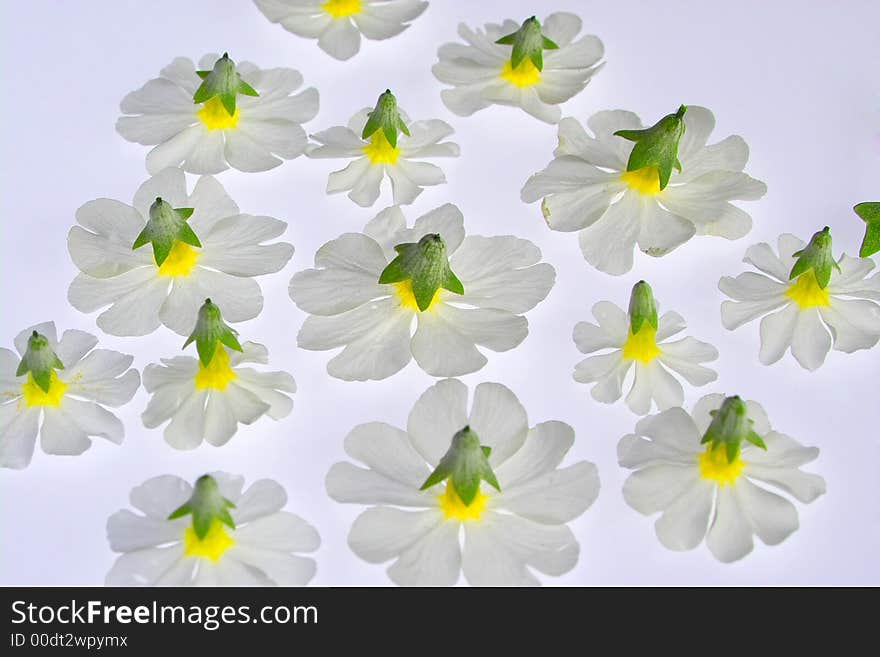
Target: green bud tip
[[165, 226], [385, 116], [210, 330], [425, 264], [642, 307], [657, 146], [40, 360], [205, 505], [731, 425], [465, 465], [528, 43], [818, 256], [222, 81]]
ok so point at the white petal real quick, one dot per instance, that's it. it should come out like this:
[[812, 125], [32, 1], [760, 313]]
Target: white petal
[[265, 386], [438, 414], [73, 346], [281, 568], [555, 497], [730, 537], [668, 325], [662, 231], [499, 419], [187, 428], [279, 531], [144, 567], [654, 488], [231, 247], [442, 350], [388, 452], [674, 438], [684, 356], [341, 39], [777, 332], [608, 244], [811, 341], [545, 446], [383, 533], [347, 483], [134, 298], [854, 323], [97, 377], [245, 153], [561, 27], [684, 522], [176, 151], [18, 435], [773, 518], [169, 183], [498, 330], [160, 496], [128, 531]]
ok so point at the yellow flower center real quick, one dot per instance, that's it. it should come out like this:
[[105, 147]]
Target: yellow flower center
[[34, 395], [380, 150], [715, 466], [404, 292], [806, 293], [453, 507], [342, 8], [217, 374], [645, 180], [180, 260], [215, 116], [524, 75], [212, 546], [642, 346]]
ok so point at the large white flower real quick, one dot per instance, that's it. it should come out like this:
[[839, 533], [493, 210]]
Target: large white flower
[[494, 280], [701, 492], [508, 533], [258, 133], [208, 402], [483, 73], [59, 389], [339, 24], [375, 157], [799, 313], [644, 350], [210, 542], [141, 294], [587, 188]]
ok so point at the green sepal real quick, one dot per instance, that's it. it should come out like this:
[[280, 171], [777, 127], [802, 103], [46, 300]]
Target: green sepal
[[528, 42], [385, 116], [730, 426], [657, 146], [165, 226], [817, 256], [223, 81], [869, 212], [465, 465], [209, 331], [642, 307], [756, 440], [205, 504], [425, 264], [40, 360]]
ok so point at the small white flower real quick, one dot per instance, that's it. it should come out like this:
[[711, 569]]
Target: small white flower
[[210, 542], [141, 294], [799, 313], [494, 280], [644, 350], [376, 157], [587, 188], [206, 137], [508, 533], [208, 402], [339, 24], [700, 492], [483, 72], [59, 389]]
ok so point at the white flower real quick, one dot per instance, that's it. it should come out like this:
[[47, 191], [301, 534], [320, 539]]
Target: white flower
[[209, 402], [205, 137], [646, 352], [587, 188], [507, 533], [375, 158], [701, 493], [260, 550], [140, 294], [339, 24], [501, 277], [78, 382], [799, 313], [482, 72]]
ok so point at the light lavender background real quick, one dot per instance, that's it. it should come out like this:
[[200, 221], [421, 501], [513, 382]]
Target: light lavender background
[[797, 79]]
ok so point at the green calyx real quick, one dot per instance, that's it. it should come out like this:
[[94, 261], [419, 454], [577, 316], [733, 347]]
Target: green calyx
[[816, 256], [40, 361], [465, 465], [425, 264], [657, 146], [528, 42], [385, 117], [642, 307], [870, 214], [205, 504], [730, 426], [166, 226], [223, 81], [211, 330]]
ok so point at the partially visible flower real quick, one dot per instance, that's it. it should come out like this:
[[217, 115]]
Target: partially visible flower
[[533, 66], [339, 24], [699, 471], [656, 187], [808, 301], [207, 398], [383, 142], [637, 340], [157, 261], [223, 115], [59, 388], [483, 474], [367, 289], [212, 534]]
